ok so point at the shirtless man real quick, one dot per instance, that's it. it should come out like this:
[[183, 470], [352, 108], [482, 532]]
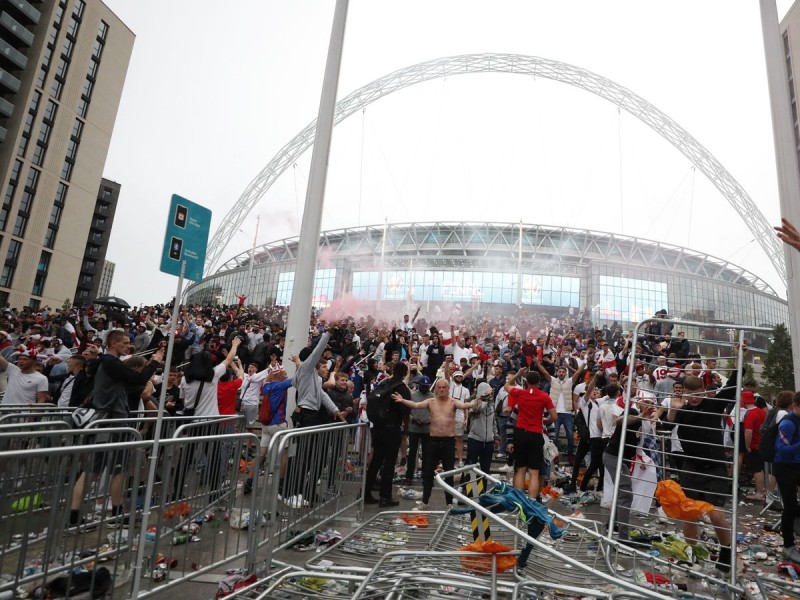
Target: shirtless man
[[442, 441]]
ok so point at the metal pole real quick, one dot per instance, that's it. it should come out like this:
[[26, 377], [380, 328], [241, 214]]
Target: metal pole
[[737, 425], [303, 289], [623, 430], [519, 268], [250, 268], [786, 161], [380, 269], [162, 399]]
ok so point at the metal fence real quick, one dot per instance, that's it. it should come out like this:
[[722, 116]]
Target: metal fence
[[314, 475], [687, 434]]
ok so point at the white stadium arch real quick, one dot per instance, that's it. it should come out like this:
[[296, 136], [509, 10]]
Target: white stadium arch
[[517, 64]]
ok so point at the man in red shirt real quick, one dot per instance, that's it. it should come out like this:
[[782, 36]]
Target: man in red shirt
[[528, 444], [751, 426]]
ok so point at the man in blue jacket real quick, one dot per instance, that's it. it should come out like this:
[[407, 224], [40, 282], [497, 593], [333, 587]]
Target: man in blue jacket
[[786, 468]]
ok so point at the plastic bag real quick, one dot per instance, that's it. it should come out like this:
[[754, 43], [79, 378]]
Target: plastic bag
[[677, 506], [482, 564]]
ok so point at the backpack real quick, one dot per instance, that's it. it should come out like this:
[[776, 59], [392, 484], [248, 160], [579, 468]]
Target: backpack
[[769, 435], [265, 410], [379, 403]]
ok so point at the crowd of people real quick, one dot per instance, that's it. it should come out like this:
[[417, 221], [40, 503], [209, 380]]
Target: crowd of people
[[470, 389]]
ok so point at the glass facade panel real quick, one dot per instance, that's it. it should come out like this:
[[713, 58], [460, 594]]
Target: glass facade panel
[[324, 283], [631, 300]]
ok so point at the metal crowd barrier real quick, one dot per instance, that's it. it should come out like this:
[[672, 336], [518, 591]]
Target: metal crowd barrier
[[42, 540], [200, 521], [309, 481], [585, 556], [359, 551], [654, 462]]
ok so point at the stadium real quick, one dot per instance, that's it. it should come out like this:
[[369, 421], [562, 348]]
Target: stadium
[[484, 266]]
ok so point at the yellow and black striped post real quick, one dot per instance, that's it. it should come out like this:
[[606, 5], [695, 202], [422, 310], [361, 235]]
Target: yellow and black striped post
[[479, 523]]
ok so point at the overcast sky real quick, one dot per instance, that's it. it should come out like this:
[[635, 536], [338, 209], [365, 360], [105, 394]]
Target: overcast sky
[[212, 95]]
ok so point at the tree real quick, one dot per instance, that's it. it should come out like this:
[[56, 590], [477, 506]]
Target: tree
[[778, 366]]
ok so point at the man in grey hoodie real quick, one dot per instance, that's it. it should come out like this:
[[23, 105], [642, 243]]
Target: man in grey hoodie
[[483, 429], [311, 399]]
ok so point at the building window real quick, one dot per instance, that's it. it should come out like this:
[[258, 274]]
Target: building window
[[28, 126], [41, 273], [7, 275], [66, 170], [10, 191], [102, 30], [77, 11], [50, 236]]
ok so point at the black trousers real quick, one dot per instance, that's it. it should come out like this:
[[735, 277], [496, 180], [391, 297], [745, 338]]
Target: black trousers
[[385, 446], [415, 440], [596, 448], [439, 449], [787, 475], [584, 447]]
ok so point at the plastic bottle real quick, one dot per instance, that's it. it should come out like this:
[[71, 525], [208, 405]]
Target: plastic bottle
[[180, 539]]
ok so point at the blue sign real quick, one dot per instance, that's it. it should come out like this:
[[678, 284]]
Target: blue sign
[[186, 239]]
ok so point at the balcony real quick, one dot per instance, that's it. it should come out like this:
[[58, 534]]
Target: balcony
[[12, 54], [27, 9], [18, 29], [9, 81]]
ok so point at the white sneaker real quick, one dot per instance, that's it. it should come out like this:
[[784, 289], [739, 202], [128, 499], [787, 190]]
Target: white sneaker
[[295, 501], [506, 468], [409, 494], [421, 506]]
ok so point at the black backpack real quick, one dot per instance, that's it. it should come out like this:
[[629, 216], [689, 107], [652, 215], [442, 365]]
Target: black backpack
[[769, 434], [379, 403]]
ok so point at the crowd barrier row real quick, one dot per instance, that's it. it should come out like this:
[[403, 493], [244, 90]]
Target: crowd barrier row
[[60, 489]]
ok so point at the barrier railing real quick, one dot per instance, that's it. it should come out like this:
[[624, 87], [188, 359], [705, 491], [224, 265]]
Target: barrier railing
[[704, 454], [310, 481], [200, 522], [54, 518], [585, 556]]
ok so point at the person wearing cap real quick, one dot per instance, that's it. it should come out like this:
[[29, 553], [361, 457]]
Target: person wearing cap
[[749, 455], [25, 384], [483, 433], [460, 392], [142, 338]]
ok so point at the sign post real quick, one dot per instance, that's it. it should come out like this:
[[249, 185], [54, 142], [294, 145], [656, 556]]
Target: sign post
[[184, 255]]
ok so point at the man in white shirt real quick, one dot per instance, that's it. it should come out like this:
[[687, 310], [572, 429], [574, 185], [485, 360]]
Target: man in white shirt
[[25, 384], [460, 393]]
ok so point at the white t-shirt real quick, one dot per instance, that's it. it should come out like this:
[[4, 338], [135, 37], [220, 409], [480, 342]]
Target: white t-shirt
[[206, 405], [590, 416], [460, 393], [66, 391], [251, 388], [23, 387], [608, 413]]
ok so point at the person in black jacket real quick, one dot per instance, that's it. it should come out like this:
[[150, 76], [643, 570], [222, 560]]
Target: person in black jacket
[[704, 476], [386, 442]]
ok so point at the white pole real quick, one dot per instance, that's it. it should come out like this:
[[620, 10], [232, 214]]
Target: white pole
[[786, 161], [379, 295], [303, 290], [162, 399], [250, 268], [519, 268]]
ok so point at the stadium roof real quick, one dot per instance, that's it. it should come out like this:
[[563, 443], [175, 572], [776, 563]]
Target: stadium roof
[[465, 244]]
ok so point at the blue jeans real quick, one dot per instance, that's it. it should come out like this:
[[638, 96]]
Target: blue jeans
[[566, 419]]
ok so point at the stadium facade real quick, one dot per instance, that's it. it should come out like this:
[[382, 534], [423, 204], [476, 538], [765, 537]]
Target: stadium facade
[[612, 277]]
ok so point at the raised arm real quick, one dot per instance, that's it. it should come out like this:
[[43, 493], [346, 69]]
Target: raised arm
[[542, 370]]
